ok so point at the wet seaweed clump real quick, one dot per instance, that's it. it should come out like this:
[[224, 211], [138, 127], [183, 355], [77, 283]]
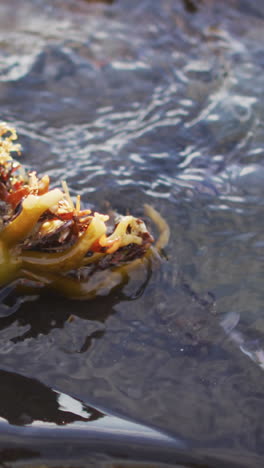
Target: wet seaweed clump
[[47, 240]]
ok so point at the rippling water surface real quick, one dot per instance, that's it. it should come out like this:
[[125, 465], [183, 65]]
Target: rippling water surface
[[132, 103]]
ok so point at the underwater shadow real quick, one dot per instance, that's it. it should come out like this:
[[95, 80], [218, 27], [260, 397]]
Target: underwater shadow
[[41, 312]]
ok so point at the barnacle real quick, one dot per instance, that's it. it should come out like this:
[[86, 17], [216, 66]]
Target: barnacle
[[47, 240]]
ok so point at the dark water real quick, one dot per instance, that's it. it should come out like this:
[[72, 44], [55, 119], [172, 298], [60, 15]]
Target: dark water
[[142, 102]]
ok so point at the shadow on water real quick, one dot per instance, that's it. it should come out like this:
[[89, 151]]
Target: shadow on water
[[37, 413], [41, 422], [54, 310], [46, 424]]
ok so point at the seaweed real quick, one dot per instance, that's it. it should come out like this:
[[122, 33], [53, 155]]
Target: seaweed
[[47, 240]]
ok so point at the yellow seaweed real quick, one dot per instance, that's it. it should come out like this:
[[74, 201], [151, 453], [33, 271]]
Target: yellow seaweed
[[62, 270]]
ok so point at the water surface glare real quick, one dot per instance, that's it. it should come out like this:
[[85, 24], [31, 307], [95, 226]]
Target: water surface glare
[[132, 103]]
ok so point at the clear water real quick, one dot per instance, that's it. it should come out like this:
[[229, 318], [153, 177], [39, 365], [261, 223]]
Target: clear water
[[132, 103]]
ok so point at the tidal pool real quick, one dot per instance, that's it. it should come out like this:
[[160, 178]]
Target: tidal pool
[[131, 103]]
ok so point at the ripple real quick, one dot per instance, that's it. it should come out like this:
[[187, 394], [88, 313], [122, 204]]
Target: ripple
[[149, 102]]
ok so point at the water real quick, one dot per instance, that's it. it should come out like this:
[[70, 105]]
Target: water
[[132, 103]]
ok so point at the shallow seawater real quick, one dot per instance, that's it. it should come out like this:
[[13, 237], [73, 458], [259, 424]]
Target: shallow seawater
[[132, 103]]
